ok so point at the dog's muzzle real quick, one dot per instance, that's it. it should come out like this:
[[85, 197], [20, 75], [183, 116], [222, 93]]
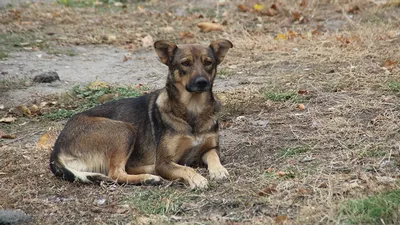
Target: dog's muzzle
[[199, 84]]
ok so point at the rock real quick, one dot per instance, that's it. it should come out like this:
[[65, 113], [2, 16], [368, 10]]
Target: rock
[[14, 217], [46, 77]]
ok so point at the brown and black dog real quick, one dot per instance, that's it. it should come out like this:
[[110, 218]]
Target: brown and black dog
[[136, 140]]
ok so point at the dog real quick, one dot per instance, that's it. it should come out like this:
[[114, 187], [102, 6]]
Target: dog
[[160, 134]]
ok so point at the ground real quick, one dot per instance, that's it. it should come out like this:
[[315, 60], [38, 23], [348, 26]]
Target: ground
[[310, 131]]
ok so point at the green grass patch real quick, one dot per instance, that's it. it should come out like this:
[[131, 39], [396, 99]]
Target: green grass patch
[[285, 96], [394, 86], [21, 41], [288, 152], [382, 208], [87, 3], [3, 55], [84, 98], [157, 201]]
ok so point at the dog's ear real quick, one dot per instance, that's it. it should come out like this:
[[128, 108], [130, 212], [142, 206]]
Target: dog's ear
[[165, 50], [220, 48]]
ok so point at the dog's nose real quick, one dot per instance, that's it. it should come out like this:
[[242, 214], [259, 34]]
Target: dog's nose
[[201, 82]]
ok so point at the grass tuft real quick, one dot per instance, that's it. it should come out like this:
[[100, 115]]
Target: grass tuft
[[84, 98], [285, 96], [394, 86], [288, 152], [160, 202], [383, 208]]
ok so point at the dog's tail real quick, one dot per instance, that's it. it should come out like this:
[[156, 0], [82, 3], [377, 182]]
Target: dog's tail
[[60, 169]]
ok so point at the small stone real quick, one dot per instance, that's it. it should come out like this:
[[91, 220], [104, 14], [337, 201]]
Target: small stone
[[46, 77]]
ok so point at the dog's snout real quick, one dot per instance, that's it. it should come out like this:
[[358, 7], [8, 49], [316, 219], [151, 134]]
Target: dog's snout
[[198, 84], [201, 82]]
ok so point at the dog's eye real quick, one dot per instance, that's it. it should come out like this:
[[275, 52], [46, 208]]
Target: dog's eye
[[185, 63], [207, 62]]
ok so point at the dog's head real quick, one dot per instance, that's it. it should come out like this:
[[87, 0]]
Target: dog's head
[[192, 67]]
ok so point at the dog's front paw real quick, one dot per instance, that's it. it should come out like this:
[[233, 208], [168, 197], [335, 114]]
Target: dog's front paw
[[198, 182], [152, 180], [218, 173]]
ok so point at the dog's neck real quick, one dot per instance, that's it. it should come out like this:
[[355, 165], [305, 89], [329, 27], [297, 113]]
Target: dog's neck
[[183, 102]]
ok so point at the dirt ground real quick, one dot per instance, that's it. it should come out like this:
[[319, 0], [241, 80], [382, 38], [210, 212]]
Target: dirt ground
[[311, 117]]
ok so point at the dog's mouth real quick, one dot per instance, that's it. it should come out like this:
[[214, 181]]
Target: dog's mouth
[[196, 89]]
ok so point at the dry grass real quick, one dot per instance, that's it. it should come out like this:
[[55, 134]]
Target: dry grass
[[349, 128]]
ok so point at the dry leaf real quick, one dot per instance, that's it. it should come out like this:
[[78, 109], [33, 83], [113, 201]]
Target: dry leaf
[[301, 107], [34, 109], [187, 37], [296, 16], [354, 10], [25, 110], [302, 92], [168, 29], [281, 219], [243, 8], [303, 3], [267, 191], [130, 47], [105, 98], [147, 41], [269, 12], [281, 173], [208, 27], [127, 57], [281, 37], [6, 136], [259, 7], [98, 84], [47, 140], [390, 64]]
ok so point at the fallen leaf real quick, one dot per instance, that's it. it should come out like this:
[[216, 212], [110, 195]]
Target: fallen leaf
[[127, 57], [301, 107], [259, 7], [269, 12], [281, 37], [296, 16], [303, 3], [354, 10], [281, 173], [147, 41], [98, 84], [304, 191], [208, 26], [6, 136], [293, 34], [24, 110], [267, 191], [105, 98], [111, 38], [243, 8], [390, 64], [34, 109], [281, 219], [187, 37], [168, 29], [302, 92], [130, 47], [47, 140]]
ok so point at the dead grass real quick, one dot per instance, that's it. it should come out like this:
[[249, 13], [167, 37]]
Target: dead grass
[[349, 128]]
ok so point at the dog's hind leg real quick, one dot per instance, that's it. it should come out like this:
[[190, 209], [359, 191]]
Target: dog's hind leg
[[141, 169], [117, 172]]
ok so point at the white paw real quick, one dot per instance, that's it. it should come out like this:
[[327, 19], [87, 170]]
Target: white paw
[[152, 180], [198, 182], [218, 173]]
